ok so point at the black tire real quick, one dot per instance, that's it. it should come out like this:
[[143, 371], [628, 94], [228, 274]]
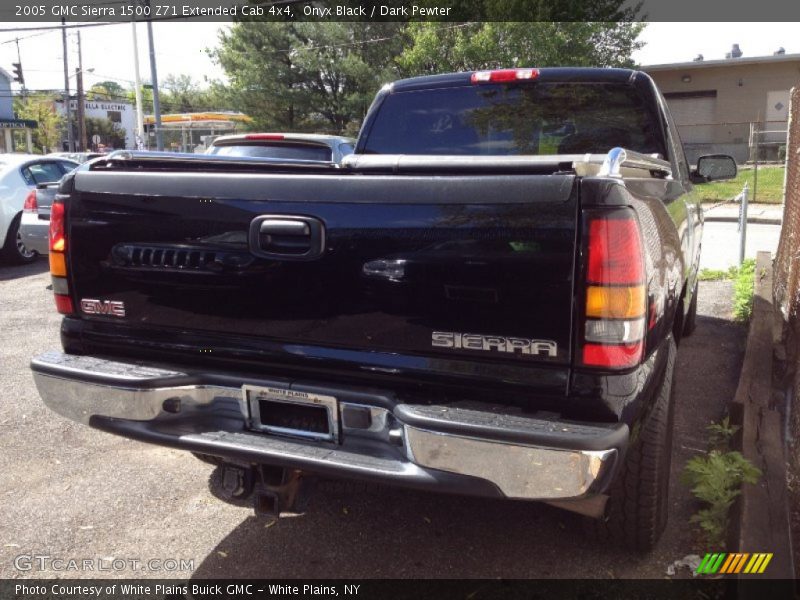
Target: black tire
[[638, 504], [14, 250], [690, 323]]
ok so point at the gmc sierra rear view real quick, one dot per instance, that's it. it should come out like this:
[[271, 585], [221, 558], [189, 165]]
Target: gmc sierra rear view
[[485, 299]]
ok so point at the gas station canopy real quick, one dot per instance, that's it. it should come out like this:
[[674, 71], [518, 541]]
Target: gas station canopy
[[203, 120]]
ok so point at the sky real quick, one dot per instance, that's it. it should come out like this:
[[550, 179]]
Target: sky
[[180, 48]]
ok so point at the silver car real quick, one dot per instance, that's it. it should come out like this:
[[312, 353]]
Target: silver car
[[294, 146], [19, 176]]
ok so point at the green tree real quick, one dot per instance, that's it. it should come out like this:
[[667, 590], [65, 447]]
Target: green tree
[[42, 109], [308, 76], [106, 91], [111, 134], [182, 93], [438, 48]]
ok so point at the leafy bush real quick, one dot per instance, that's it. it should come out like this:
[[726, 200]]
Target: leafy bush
[[743, 291], [715, 478], [720, 434]]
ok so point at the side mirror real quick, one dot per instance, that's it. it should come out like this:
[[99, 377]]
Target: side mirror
[[714, 167]]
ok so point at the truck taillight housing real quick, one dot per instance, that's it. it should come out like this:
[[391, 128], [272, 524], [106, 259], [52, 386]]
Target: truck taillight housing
[[58, 236], [58, 260], [615, 301]]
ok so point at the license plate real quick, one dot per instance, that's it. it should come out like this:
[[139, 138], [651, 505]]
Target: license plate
[[292, 413]]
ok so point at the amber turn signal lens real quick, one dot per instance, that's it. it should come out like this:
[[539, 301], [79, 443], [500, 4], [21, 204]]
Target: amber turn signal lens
[[615, 302], [58, 264]]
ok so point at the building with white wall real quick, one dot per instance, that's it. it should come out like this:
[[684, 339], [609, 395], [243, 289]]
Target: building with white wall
[[8, 121]]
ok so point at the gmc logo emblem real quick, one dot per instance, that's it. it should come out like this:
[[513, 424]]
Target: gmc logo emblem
[[111, 308]]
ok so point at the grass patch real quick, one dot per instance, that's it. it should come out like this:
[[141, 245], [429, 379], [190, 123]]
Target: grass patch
[[770, 186], [717, 274], [743, 291], [715, 478]]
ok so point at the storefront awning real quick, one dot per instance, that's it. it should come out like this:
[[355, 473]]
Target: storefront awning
[[18, 124]]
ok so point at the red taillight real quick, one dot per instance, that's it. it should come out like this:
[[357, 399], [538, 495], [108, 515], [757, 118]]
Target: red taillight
[[64, 304], [30, 205], [615, 252], [504, 75], [614, 356], [616, 296], [58, 235], [264, 136], [58, 260]]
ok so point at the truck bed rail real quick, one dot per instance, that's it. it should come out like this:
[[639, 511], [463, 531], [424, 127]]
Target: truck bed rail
[[618, 162]]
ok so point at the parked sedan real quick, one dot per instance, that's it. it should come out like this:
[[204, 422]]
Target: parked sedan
[[80, 157], [19, 176], [294, 146]]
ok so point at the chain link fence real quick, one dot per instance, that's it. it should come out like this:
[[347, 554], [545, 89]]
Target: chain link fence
[[746, 141], [787, 259]]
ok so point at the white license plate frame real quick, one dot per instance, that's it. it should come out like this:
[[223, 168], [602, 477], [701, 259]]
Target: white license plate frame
[[253, 395]]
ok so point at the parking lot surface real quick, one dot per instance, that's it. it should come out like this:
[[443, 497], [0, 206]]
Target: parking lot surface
[[72, 493]]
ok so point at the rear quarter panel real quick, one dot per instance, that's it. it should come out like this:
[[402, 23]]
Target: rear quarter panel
[[13, 190]]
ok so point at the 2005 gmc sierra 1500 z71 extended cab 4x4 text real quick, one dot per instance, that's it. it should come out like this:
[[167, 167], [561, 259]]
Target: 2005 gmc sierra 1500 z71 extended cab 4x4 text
[[484, 299]]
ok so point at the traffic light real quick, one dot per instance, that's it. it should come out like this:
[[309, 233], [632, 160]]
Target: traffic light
[[18, 77]]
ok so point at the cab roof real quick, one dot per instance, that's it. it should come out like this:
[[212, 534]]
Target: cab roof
[[546, 74]]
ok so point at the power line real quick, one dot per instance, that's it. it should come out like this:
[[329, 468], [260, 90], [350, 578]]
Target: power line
[[19, 39], [153, 20], [49, 28]]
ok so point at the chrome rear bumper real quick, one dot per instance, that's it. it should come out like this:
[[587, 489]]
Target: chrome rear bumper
[[470, 450]]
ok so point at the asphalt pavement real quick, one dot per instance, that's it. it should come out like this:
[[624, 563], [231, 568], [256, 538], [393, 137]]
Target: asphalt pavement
[[72, 493]]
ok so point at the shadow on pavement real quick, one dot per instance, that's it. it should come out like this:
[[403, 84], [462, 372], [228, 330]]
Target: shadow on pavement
[[9, 272], [395, 533]]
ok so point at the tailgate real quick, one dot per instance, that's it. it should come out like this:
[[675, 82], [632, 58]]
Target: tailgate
[[430, 273]]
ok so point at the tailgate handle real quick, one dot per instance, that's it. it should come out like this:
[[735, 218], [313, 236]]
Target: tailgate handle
[[284, 227], [287, 237]]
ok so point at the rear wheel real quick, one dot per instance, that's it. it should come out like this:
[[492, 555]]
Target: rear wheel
[[14, 250], [636, 512]]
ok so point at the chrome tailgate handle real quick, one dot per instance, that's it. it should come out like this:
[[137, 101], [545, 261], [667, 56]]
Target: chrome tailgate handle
[[287, 237], [284, 227]]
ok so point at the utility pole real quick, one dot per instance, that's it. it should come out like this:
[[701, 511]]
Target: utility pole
[[68, 112], [154, 81], [81, 102], [138, 82]]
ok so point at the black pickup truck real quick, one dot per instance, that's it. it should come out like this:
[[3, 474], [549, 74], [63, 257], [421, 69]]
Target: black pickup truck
[[485, 299]]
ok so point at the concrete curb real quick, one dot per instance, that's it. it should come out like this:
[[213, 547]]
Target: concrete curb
[[756, 220], [762, 522]]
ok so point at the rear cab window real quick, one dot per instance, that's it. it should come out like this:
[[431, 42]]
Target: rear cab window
[[515, 119]]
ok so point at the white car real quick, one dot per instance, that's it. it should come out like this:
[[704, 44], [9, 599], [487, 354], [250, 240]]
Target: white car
[[19, 174]]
